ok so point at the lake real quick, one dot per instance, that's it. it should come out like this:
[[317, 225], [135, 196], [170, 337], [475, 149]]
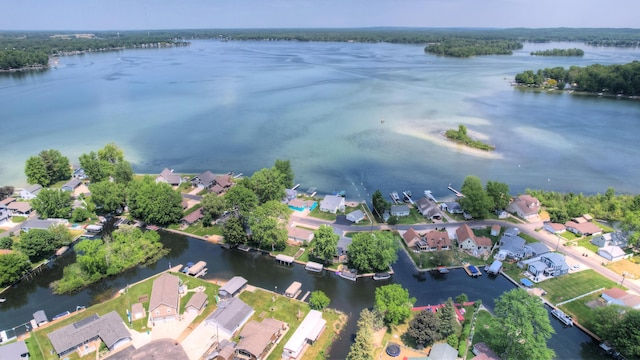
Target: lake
[[349, 116]]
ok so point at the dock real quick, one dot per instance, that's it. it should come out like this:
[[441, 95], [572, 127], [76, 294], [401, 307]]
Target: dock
[[430, 196], [458, 193], [407, 197], [285, 259], [314, 266], [394, 197], [472, 270], [295, 187], [197, 269]]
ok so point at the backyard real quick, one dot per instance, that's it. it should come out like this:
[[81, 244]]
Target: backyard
[[569, 286]]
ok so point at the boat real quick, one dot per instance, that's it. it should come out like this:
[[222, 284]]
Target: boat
[[341, 193], [395, 197], [61, 315], [187, 267], [443, 270], [3, 300], [564, 318], [244, 247], [349, 275], [406, 196], [381, 276]]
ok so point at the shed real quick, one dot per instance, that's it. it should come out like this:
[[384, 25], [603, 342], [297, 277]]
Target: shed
[[355, 216], [293, 290], [195, 269], [137, 311], [197, 303], [285, 259], [232, 287], [307, 333], [612, 253], [314, 266], [495, 230]]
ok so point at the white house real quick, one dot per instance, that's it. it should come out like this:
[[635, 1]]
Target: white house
[[525, 206], [332, 204], [307, 333], [554, 228], [612, 253], [167, 176], [30, 192], [400, 210], [609, 239], [355, 216]]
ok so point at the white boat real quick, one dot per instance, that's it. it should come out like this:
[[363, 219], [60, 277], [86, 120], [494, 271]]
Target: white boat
[[395, 197], [564, 318], [348, 275], [381, 276], [3, 300]]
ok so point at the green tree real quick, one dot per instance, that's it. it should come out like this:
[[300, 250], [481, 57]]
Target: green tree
[[57, 165], [318, 300], [362, 347], [60, 235], [111, 153], [108, 196], [380, 205], [241, 198], [96, 169], [80, 214], [521, 327], [212, 207], [325, 243], [36, 171], [154, 203], [233, 231], [394, 303], [6, 191], [606, 319], [267, 184], [475, 202], [12, 267], [6, 243], [448, 319], [462, 298], [268, 225], [122, 172], [424, 328], [284, 167], [52, 203], [626, 336], [373, 251], [499, 193], [37, 244]]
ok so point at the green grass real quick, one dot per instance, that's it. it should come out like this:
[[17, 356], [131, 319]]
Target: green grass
[[413, 218], [201, 230], [569, 286], [481, 333], [192, 209], [291, 250], [604, 227], [580, 311], [528, 238], [316, 213], [586, 243], [2, 230], [569, 235], [486, 232], [18, 219]]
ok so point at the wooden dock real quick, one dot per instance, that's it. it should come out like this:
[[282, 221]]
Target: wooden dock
[[472, 271], [458, 193]]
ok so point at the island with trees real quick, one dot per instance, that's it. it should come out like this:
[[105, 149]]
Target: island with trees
[[559, 52], [460, 136]]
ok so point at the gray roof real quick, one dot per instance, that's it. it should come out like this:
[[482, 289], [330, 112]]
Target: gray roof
[[443, 351], [537, 248], [230, 314], [198, 300], [512, 232], [40, 317], [164, 291], [38, 224], [206, 177], [331, 202], [109, 328], [399, 208], [513, 244], [556, 259], [168, 175], [33, 188], [343, 244], [236, 283], [356, 214], [13, 351], [72, 184]]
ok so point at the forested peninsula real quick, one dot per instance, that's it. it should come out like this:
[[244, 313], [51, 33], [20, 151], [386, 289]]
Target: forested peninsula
[[601, 79], [559, 52], [23, 50]]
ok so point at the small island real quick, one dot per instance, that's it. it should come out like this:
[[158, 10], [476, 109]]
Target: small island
[[460, 136], [558, 52]]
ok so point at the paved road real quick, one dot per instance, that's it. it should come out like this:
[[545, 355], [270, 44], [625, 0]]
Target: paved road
[[554, 242]]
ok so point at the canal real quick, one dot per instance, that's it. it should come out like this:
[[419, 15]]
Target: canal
[[350, 297]]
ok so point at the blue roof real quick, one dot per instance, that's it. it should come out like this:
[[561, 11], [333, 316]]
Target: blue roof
[[526, 282]]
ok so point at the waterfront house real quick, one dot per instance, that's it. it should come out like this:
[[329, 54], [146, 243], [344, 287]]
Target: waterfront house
[[451, 207], [437, 240], [443, 351], [257, 338], [167, 176], [535, 249], [610, 239], [301, 205], [30, 193], [197, 303], [582, 228], [400, 210], [298, 236], [342, 249], [332, 204], [192, 218], [224, 181], [289, 194], [355, 216], [14, 351], [550, 264], [86, 335], [612, 253], [71, 185], [414, 240], [78, 173], [233, 287], [4, 213], [525, 206], [164, 302], [467, 240], [428, 209], [307, 333], [40, 224], [204, 181], [512, 247], [554, 228], [229, 316], [620, 297]]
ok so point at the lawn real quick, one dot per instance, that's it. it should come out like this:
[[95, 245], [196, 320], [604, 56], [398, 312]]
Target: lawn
[[481, 332], [192, 209], [18, 219], [569, 235], [569, 286], [528, 238], [119, 303], [586, 243], [291, 311], [316, 213], [200, 230], [486, 232], [2, 230], [413, 218], [580, 311], [291, 250], [625, 266]]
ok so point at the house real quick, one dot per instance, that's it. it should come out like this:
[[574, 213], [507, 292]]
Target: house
[[307, 333], [495, 230], [428, 209], [550, 264], [137, 311], [342, 249], [299, 235], [525, 206], [4, 213], [87, 334], [71, 185], [437, 240], [451, 207], [512, 232], [612, 253], [193, 217], [164, 302], [197, 303], [554, 228], [205, 180], [40, 224], [289, 194], [224, 351], [535, 249], [502, 214], [229, 316], [7, 201], [79, 173], [583, 228], [484, 352], [355, 216], [443, 351], [414, 240], [468, 241], [233, 287], [14, 351], [257, 338], [30, 192], [620, 297], [512, 246], [224, 181], [332, 204], [298, 204], [400, 210], [610, 239], [167, 176]]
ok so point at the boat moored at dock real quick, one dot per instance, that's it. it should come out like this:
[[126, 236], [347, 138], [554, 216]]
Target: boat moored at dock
[[381, 276], [564, 318]]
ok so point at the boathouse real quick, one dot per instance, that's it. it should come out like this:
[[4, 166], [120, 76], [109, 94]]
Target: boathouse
[[314, 266], [197, 268], [233, 287], [307, 333], [293, 290], [285, 259]]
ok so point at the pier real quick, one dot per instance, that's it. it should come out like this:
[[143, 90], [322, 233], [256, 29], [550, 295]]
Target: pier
[[458, 193], [472, 270], [394, 197]]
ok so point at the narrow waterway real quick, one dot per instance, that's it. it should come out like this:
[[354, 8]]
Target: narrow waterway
[[261, 270]]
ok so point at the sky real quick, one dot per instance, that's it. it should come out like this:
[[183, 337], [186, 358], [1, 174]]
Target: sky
[[192, 14]]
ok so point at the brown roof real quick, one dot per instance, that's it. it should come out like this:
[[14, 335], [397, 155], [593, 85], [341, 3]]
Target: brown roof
[[585, 228], [297, 202], [483, 241], [20, 206], [193, 217], [410, 237], [224, 180], [256, 336], [437, 239], [217, 189], [164, 292], [556, 226], [7, 201], [299, 233], [496, 227], [615, 293], [527, 204], [464, 232], [198, 300]]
